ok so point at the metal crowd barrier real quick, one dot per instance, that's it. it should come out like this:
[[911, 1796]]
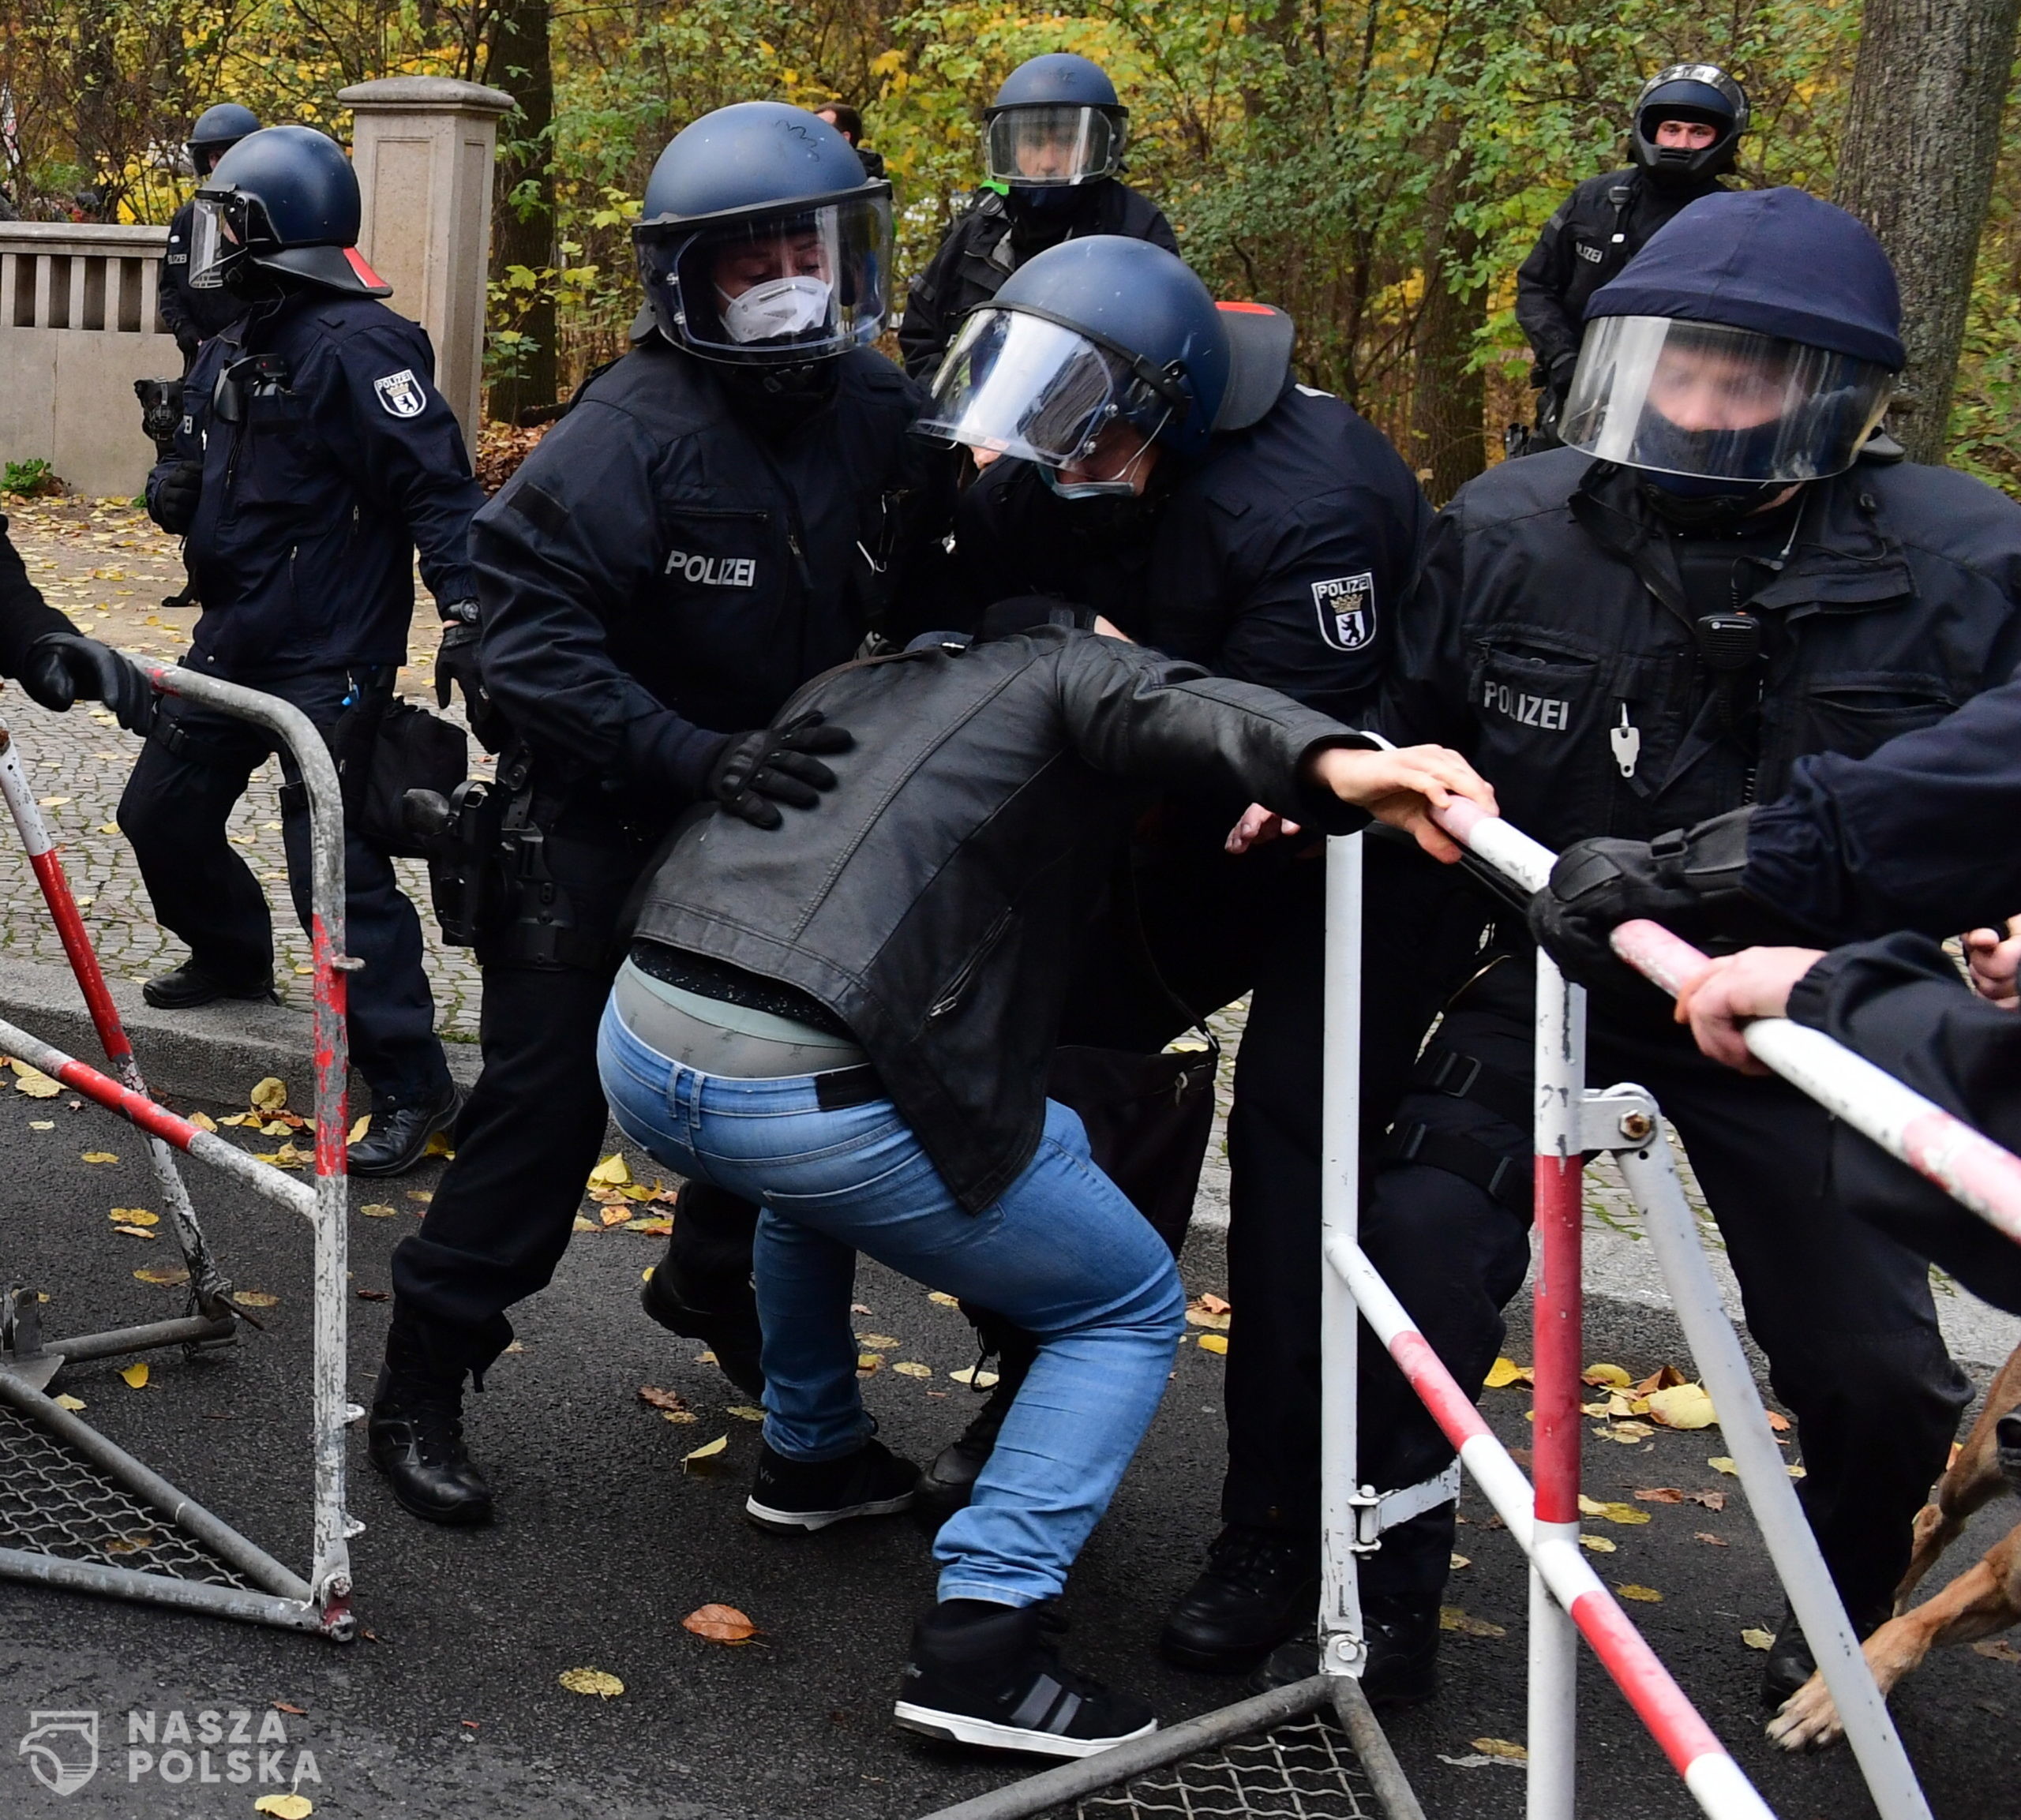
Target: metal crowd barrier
[[1567, 1598], [68, 1485]]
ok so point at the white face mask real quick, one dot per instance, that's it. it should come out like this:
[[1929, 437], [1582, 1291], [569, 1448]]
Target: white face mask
[[780, 306]]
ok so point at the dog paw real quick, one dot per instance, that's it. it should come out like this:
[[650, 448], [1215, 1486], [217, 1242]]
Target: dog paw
[[1807, 1721]]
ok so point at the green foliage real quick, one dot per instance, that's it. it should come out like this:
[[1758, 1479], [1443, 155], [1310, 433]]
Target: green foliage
[[29, 479]]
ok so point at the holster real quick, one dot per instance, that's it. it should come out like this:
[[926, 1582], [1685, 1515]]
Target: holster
[[464, 876]]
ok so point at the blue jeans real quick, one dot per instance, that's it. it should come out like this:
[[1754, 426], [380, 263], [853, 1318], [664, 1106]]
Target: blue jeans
[[1060, 1252]]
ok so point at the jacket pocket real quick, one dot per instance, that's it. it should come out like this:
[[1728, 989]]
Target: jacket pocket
[[1850, 715], [715, 552], [950, 995]]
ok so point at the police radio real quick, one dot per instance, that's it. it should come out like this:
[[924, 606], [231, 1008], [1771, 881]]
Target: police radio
[[1727, 641]]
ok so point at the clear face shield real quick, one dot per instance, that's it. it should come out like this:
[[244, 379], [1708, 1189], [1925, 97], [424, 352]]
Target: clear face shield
[[217, 239], [1018, 384], [783, 289], [1053, 147], [1715, 403]]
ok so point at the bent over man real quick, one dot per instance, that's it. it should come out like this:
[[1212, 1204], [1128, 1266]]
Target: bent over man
[[1721, 576], [726, 511]]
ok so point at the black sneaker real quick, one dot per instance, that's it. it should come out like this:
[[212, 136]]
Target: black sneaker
[[990, 1676], [1261, 1588], [791, 1496]]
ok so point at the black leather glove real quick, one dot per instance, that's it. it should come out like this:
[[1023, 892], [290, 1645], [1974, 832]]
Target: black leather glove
[[457, 663], [61, 666], [173, 504], [1688, 880], [757, 772]]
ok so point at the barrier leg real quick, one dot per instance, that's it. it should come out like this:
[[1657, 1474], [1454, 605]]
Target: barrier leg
[[1561, 1081], [1650, 1173]]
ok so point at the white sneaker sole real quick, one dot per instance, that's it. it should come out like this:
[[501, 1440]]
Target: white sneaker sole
[[798, 1522], [985, 1734]]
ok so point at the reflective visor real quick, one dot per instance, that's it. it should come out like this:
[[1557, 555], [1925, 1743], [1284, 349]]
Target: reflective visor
[[1022, 386], [217, 239], [1703, 399], [774, 288], [1039, 148]]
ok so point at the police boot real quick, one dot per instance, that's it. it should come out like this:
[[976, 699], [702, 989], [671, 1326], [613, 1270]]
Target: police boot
[[1261, 1588], [183, 988], [948, 1484], [415, 1435], [400, 1135], [701, 1288], [1401, 1670]]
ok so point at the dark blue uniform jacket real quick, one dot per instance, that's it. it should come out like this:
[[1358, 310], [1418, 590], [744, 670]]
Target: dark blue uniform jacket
[[302, 550], [1280, 557], [657, 574], [1549, 613]]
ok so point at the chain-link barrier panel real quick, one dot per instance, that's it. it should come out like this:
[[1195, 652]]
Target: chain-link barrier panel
[[1302, 1771], [53, 1502]]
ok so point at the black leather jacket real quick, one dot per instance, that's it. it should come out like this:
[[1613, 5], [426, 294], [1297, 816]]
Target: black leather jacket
[[934, 901]]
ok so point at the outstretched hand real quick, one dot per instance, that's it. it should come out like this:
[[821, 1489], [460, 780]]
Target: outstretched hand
[[1403, 787]]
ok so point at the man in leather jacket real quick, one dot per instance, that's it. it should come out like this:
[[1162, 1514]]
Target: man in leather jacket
[[1053, 141], [1722, 577], [53, 662], [917, 935], [733, 507]]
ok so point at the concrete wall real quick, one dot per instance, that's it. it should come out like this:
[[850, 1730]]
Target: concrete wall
[[79, 324]]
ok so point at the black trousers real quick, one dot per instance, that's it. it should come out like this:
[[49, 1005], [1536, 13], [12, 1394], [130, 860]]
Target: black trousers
[[529, 1133], [174, 811], [1843, 1312], [1220, 926]]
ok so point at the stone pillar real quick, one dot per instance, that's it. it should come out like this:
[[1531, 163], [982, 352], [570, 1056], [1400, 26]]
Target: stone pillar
[[423, 148]]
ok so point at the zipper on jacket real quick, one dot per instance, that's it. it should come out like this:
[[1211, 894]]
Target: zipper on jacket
[[952, 997]]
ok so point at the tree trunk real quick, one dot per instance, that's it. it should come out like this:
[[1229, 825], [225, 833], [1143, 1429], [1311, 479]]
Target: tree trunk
[[522, 64], [1916, 164], [1449, 402]]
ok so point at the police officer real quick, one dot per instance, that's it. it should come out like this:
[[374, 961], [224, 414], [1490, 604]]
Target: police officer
[[314, 455], [847, 122], [1682, 134], [724, 513], [1052, 146], [1720, 576], [194, 314], [54, 663], [1161, 468]]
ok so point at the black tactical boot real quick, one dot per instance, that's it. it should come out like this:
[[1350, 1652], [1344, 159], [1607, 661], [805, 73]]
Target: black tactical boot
[[945, 1486], [187, 986], [1790, 1663], [701, 1288], [1401, 1669], [400, 1135], [415, 1435], [1261, 1588]]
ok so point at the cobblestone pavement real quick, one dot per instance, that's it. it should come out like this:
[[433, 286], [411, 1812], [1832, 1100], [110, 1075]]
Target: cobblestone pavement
[[107, 566]]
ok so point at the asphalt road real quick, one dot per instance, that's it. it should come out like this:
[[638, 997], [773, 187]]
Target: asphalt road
[[454, 1710]]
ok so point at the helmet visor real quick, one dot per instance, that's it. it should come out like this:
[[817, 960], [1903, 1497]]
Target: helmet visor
[[1022, 386], [779, 288], [217, 238], [1716, 402], [1053, 146]]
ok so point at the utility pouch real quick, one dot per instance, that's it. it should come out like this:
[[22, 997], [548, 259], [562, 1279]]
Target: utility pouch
[[413, 750], [256, 375]]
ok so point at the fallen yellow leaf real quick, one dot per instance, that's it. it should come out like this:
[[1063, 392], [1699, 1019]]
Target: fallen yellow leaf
[[1614, 1513], [707, 1451], [745, 1412], [913, 1369], [1501, 1747], [611, 1173], [1215, 1343], [973, 1376], [269, 1095], [136, 1376], [1662, 1379], [255, 1298], [360, 1126], [942, 1297], [1611, 1375], [1504, 1372], [1628, 1434], [869, 1361], [135, 1216], [1758, 1639], [878, 1342], [1458, 1562], [1596, 1544], [720, 1624], [583, 1225], [1721, 1463], [67, 1402], [591, 1681], [167, 1276], [34, 1082], [1642, 1595], [1199, 1313], [98, 1156], [377, 1210], [1682, 1407], [1452, 1618], [202, 1122], [662, 1399], [42, 1125], [285, 1806], [682, 1416]]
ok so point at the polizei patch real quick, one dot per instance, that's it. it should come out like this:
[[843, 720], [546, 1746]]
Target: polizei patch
[[1346, 606], [401, 393], [714, 572]]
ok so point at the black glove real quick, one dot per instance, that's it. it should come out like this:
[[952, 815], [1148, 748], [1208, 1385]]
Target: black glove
[[1559, 383], [1688, 880], [61, 666], [173, 504], [756, 772], [456, 663]]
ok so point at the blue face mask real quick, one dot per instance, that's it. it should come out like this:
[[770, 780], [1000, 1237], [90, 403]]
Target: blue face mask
[[1116, 489]]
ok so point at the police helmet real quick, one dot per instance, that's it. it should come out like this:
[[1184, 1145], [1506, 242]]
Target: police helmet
[[1056, 122], [282, 200], [1106, 336], [761, 240], [218, 130], [1702, 93], [1753, 343]]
